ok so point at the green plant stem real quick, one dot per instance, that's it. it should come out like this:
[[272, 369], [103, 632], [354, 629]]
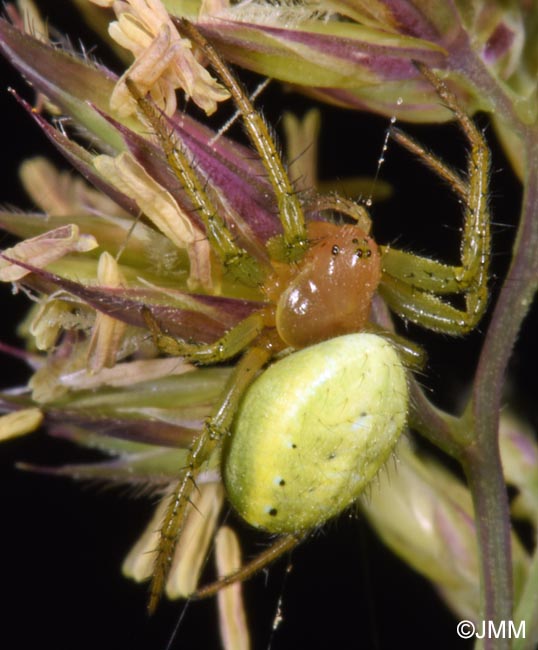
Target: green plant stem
[[435, 425], [484, 474], [481, 458]]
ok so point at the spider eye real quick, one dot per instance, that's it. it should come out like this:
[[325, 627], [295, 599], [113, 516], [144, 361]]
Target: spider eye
[[313, 430]]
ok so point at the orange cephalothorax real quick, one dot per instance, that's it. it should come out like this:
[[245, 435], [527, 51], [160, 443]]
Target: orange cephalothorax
[[333, 288]]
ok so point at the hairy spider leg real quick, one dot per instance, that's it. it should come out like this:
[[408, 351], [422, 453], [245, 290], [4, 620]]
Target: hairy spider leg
[[341, 205], [430, 160], [282, 545], [229, 345], [411, 283], [234, 258], [245, 268], [205, 444], [292, 245]]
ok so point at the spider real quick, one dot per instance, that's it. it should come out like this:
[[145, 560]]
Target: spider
[[318, 279]]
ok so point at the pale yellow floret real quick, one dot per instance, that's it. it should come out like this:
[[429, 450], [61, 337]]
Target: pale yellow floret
[[60, 193], [160, 207], [33, 22], [126, 374], [44, 249], [51, 316], [163, 61], [108, 332], [19, 423], [232, 616], [192, 548], [302, 148]]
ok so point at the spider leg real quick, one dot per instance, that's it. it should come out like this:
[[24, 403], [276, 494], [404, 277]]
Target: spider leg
[[235, 259], [411, 283], [226, 347], [293, 243], [282, 545], [413, 356], [423, 273], [430, 311], [344, 206], [215, 428], [432, 161]]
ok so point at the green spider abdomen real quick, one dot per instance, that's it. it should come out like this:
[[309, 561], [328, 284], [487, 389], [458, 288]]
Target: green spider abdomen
[[313, 430]]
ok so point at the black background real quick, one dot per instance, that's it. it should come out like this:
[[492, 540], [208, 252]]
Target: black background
[[62, 543]]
